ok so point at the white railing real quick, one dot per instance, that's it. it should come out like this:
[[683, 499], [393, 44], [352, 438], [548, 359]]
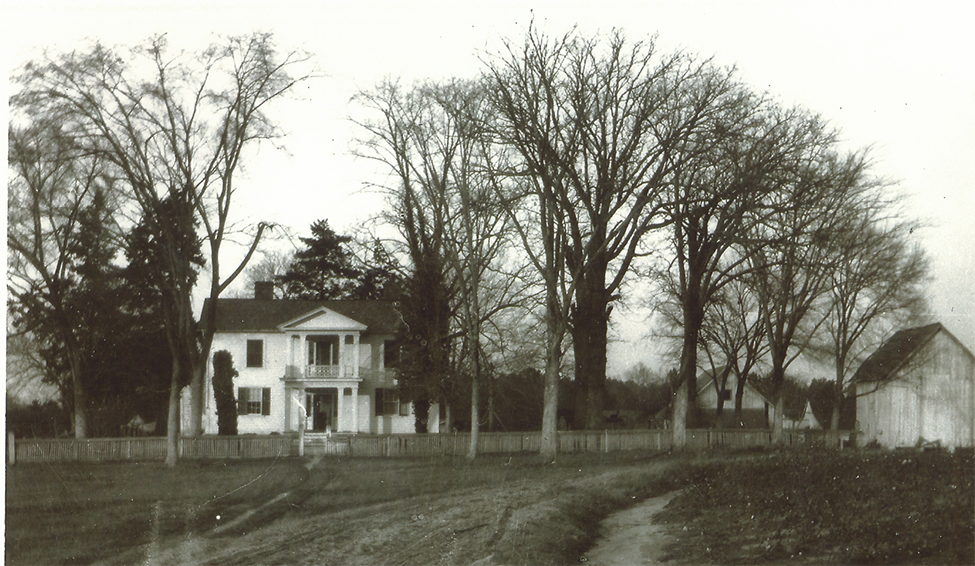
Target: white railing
[[323, 371]]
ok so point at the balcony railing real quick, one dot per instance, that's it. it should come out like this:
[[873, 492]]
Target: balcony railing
[[333, 372], [323, 371]]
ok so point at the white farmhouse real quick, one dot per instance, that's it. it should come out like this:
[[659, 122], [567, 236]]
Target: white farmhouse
[[331, 361], [917, 388]]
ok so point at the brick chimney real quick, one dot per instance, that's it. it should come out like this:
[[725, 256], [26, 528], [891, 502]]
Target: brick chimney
[[264, 290]]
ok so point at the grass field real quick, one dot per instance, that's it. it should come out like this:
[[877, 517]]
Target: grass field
[[499, 510], [868, 507]]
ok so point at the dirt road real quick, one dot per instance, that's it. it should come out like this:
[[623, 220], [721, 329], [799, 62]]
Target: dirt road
[[630, 537]]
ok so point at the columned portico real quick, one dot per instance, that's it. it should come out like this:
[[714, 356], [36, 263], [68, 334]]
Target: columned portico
[[323, 371], [330, 405]]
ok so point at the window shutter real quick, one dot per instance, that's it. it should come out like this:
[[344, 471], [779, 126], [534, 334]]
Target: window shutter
[[241, 400], [379, 402], [266, 401]]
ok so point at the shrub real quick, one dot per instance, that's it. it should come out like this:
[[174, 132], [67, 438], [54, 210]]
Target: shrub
[[223, 393]]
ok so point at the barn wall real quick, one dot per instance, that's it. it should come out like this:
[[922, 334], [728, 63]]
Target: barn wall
[[948, 410], [931, 399]]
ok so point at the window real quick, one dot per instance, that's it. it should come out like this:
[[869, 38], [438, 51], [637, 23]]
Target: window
[[387, 403], [255, 353], [323, 350], [254, 401], [725, 395], [390, 354]]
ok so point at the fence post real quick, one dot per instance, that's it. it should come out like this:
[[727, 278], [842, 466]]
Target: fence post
[[12, 447]]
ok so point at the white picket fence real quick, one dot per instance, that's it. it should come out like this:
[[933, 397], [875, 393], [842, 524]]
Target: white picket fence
[[270, 446]]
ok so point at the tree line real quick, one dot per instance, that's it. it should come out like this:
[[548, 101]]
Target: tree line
[[526, 202]]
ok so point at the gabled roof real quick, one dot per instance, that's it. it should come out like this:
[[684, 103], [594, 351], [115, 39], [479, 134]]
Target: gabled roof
[[704, 380], [329, 317], [895, 352], [256, 315]]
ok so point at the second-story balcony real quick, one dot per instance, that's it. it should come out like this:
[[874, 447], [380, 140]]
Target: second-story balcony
[[319, 372], [323, 371]]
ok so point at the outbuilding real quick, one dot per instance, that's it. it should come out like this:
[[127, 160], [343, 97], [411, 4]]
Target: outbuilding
[[918, 388]]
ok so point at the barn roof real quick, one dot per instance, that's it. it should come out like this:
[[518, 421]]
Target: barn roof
[[895, 352], [259, 315]]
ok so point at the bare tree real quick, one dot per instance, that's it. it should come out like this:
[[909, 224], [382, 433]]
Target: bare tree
[[600, 125], [744, 154], [445, 203], [734, 333], [877, 280], [174, 129], [793, 247], [271, 266], [52, 183]]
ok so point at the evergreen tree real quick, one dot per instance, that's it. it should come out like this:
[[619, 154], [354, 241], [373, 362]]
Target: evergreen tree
[[425, 371], [223, 392], [324, 269]]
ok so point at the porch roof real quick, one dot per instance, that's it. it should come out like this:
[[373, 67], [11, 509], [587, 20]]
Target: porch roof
[[256, 315]]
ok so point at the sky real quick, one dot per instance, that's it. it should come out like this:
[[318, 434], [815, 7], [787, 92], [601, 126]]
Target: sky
[[894, 76]]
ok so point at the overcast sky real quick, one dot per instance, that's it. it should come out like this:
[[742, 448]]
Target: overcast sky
[[895, 76]]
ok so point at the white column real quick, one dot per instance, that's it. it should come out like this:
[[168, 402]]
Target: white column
[[288, 409], [355, 408], [340, 409], [355, 357], [342, 364]]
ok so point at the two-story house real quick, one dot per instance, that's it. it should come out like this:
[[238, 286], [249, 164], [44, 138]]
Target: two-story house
[[328, 361]]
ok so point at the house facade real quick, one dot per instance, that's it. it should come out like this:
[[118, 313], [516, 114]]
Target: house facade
[[917, 388], [327, 366], [756, 410]]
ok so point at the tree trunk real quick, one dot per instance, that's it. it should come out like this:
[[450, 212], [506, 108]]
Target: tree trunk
[[550, 441], [197, 391], [778, 393], [721, 384], [476, 378], [80, 419], [553, 360], [200, 360], [172, 421], [490, 402], [834, 420], [475, 415], [680, 416], [197, 394], [684, 405], [778, 423], [590, 325], [739, 396]]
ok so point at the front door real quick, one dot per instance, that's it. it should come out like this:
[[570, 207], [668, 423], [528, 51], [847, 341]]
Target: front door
[[323, 410]]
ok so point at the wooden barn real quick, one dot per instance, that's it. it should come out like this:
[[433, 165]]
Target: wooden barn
[[917, 388]]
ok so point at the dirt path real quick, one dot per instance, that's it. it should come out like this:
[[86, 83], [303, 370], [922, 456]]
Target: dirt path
[[630, 537], [522, 520]]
